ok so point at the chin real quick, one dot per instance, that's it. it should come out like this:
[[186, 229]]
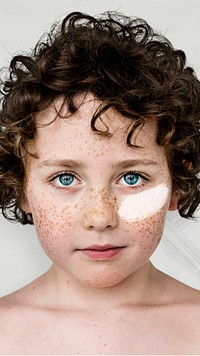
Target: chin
[[102, 280]]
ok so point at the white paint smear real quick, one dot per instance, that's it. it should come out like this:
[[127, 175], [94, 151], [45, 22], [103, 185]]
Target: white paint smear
[[144, 204]]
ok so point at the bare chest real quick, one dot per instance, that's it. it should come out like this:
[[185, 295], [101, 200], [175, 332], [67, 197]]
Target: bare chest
[[145, 332]]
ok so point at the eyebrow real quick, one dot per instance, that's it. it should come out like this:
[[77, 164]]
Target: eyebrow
[[69, 163], [134, 162]]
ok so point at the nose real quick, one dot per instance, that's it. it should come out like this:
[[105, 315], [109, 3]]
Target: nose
[[99, 211]]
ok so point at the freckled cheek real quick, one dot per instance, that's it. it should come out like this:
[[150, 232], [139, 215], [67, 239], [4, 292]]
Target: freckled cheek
[[146, 234], [53, 226]]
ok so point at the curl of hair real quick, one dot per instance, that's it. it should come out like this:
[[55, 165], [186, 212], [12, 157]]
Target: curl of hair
[[128, 67]]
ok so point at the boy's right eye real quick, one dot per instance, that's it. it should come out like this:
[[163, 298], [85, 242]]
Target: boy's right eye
[[64, 180]]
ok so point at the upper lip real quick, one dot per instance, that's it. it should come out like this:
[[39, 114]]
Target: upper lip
[[101, 247]]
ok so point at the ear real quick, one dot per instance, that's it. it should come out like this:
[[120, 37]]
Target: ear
[[174, 201], [187, 164], [25, 205]]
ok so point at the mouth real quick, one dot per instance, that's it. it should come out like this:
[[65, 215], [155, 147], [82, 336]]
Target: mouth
[[101, 252]]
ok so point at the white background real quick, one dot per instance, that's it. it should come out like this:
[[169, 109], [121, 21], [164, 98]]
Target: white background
[[22, 22]]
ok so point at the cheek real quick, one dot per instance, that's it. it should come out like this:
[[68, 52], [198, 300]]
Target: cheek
[[146, 234], [151, 229], [53, 226], [144, 214]]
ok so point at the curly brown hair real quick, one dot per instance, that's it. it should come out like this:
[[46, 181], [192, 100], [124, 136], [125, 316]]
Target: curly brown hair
[[128, 67]]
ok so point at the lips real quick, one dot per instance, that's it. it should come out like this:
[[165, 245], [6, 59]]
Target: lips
[[101, 247], [101, 252]]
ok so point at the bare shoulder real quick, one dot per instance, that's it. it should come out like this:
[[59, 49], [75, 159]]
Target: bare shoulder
[[179, 301], [22, 317], [11, 317], [20, 305], [174, 290], [176, 309], [12, 306]]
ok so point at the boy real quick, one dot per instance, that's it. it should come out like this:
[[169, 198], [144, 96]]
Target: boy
[[100, 136]]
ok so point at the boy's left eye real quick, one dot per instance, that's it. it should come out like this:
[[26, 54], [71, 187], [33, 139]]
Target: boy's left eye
[[132, 179]]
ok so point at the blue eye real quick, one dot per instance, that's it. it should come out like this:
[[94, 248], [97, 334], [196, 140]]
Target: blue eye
[[131, 178], [64, 180]]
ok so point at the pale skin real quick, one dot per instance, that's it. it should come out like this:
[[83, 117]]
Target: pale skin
[[88, 304]]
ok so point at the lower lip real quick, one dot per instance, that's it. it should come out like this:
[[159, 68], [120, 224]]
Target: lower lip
[[102, 255]]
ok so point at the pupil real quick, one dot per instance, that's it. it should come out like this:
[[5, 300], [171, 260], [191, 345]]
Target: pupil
[[66, 179], [131, 178]]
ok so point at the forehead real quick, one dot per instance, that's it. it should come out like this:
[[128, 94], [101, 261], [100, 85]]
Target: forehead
[[70, 131]]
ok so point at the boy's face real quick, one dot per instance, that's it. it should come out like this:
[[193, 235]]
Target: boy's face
[[98, 205]]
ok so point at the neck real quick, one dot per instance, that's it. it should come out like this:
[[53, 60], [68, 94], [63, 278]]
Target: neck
[[65, 292]]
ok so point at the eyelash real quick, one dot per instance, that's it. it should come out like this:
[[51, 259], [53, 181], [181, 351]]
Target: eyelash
[[52, 180], [145, 179]]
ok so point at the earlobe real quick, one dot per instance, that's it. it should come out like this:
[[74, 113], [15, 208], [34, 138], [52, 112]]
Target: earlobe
[[173, 205], [25, 205]]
